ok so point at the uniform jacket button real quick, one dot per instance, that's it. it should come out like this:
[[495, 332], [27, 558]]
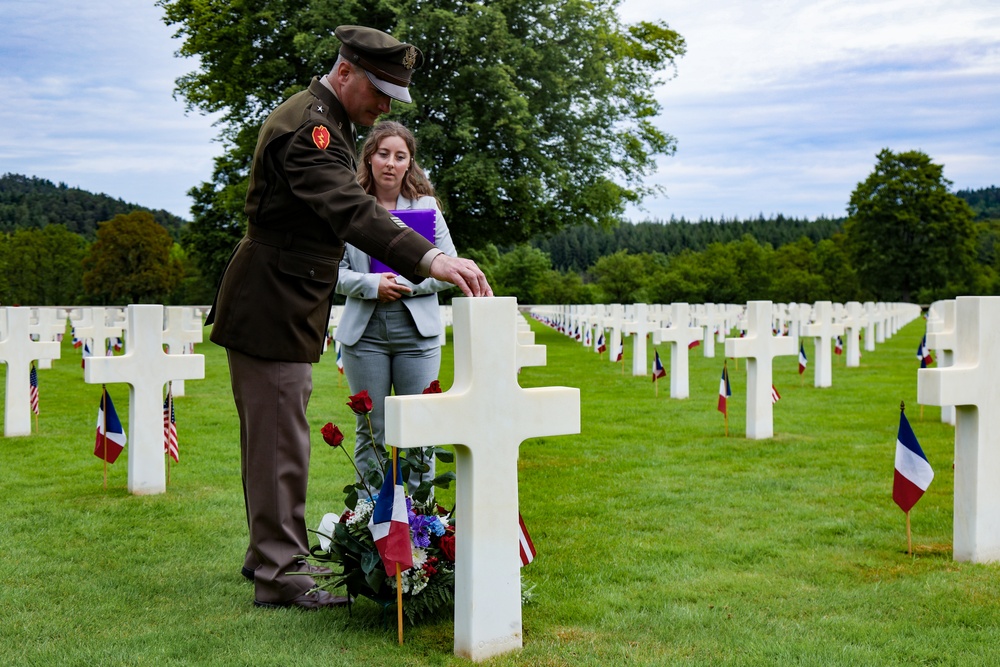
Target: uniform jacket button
[[312, 273]]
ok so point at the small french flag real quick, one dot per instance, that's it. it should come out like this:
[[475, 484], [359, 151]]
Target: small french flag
[[913, 474]]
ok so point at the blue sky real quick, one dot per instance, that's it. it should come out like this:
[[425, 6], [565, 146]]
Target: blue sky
[[779, 106]]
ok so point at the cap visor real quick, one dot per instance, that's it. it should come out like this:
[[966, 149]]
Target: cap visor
[[392, 90]]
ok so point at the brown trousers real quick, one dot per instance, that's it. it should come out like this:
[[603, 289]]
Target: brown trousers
[[271, 399]]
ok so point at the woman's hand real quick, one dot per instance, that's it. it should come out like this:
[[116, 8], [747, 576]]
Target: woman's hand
[[389, 289]]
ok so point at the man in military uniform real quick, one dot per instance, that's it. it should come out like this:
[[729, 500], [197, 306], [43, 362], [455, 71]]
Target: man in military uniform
[[273, 304]]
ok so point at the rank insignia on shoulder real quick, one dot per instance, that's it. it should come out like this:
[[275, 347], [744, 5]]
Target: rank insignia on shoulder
[[321, 137]]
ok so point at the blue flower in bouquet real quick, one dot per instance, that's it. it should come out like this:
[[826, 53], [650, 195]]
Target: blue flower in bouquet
[[420, 528]]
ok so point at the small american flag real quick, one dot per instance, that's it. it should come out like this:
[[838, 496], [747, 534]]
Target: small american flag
[[527, 547], [775, 396], [34, 389], [170, 427]]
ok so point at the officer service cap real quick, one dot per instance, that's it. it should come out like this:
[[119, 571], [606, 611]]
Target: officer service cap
[[387, 61]]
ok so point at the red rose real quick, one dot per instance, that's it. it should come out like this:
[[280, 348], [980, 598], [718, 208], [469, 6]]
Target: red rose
[[332, 435], [361, 402], [447, 546], [433, 388]]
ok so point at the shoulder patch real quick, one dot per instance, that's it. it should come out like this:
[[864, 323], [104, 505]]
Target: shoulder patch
[[321, 137]]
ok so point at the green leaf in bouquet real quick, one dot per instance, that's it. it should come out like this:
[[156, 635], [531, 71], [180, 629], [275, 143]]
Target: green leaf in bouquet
[[420, 466], [444, 480], [444, 455], [423, 492], [343, 538], [374, 479], [375, 578], [370, 561], [351, 499]]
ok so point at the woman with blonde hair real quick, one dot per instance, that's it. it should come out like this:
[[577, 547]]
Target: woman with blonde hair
[[390, 330]]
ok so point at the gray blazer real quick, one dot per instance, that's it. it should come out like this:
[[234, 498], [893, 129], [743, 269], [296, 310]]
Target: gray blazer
[[361, 287]]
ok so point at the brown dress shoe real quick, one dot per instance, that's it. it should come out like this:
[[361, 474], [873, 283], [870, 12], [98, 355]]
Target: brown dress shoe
[[309, 601]]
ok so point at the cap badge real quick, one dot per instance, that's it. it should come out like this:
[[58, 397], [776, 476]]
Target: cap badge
[[321, 137], [410, 58]]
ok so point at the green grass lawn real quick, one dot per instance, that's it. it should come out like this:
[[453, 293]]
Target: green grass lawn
[[660, 541]]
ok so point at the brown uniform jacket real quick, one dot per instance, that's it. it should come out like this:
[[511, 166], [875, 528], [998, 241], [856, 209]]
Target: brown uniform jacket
[[303, 203]]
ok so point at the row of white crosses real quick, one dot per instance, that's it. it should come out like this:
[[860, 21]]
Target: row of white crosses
[[823, 322], [144, 366]]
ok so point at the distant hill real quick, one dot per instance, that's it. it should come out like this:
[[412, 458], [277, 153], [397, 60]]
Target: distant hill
[[985, 202], [31, 202]]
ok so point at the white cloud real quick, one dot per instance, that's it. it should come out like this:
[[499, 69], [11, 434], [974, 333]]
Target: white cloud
[[781, 106], [86, 99]]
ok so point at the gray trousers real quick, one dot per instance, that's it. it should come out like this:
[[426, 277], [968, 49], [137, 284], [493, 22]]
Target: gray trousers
[[390, 357], [271, 399]]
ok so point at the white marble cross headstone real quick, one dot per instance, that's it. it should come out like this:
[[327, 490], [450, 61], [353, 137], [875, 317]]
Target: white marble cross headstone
[[487, 416], [941, 337], [853, 323], [638, 328], [823, 330], [17, 350], [971, 386], [712, 319], [146, 368], [760, 348], [614, 321], [97, 330], [50, 323], [869, 326], [179, 332], [679, 335]]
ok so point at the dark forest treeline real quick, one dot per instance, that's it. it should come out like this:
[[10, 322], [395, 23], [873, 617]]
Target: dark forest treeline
[[33, 203], [577, 248], [985, 202]]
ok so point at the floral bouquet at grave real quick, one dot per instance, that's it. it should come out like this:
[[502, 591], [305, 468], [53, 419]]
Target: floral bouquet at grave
[[346, 543]]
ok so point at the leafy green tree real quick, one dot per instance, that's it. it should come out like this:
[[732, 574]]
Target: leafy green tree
[[522, 273], [622, 276], [192, 288], [908, 236], [42, 266], [530, 113], [685, 279], [566, 288], [793, 277], [131, 261], [837, 275]]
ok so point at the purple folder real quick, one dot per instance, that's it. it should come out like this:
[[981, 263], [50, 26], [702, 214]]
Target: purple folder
[[421, 221]]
